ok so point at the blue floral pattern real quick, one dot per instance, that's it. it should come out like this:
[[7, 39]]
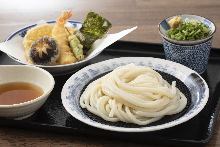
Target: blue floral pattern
[[23, 33], [195, 57], [74, 85]]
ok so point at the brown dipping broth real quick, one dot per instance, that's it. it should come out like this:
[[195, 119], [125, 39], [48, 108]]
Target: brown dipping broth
[[19, 92]]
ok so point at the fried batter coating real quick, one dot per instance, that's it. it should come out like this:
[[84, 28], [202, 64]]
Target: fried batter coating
[[60, 34], [71, 30], [34, 34], [66, 58]]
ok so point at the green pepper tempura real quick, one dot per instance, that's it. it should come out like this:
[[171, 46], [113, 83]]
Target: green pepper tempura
[[189, 30], [76, 47]]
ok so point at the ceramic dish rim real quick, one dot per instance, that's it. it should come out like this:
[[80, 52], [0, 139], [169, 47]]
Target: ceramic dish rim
[[146, 129], [187, 41], [36, 99], [188, 45]]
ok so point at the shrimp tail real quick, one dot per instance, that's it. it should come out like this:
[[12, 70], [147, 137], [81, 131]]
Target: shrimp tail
[[64, 17]]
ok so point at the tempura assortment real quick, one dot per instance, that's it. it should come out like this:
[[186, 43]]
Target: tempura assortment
[[58, 45]]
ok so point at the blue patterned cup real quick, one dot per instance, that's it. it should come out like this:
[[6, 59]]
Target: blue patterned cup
[[193, 56]]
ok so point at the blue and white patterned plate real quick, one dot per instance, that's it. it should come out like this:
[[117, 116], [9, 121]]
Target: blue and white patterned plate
[[58, 69], [164, 26], [74, 85]]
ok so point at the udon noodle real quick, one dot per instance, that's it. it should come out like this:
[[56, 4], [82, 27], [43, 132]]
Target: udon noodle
[[132, 94]]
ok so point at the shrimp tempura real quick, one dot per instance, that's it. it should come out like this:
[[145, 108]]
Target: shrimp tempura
[[59, 33]]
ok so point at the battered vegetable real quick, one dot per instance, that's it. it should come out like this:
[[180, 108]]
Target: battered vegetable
[[44, 51], [189, 30], [33, 35], [76, 47]]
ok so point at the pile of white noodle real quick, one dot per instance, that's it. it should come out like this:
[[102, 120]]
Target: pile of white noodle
[[132, 94]]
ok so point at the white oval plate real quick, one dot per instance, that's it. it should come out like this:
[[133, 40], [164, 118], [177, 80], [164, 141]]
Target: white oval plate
[[58, 69], [74, 85]]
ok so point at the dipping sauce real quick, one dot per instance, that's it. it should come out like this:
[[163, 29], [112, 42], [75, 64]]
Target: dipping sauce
[[18, 92]]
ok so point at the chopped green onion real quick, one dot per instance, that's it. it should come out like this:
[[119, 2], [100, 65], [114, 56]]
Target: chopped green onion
[[189, 30]]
